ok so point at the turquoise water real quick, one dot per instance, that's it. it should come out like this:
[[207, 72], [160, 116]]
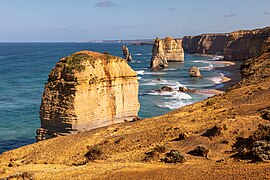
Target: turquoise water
[[25, 66]]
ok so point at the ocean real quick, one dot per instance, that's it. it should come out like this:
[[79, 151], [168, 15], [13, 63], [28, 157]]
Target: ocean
[[25, 67]]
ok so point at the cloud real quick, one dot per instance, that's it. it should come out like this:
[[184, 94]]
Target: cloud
[[172, 9], [106, 4], [229, 15], [123, 27], [71, 28], [266, 13]]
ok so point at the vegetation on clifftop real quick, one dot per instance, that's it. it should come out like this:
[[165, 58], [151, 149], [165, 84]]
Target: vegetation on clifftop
[[74, 62]]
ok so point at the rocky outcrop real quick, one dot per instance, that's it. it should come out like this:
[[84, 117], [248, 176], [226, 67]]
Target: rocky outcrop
[[194, 72], [126, 53], [212, 44], [88, 90], [248, 44], [165, 50]]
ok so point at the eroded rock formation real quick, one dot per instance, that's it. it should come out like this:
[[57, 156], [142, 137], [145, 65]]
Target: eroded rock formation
[[194, 72], [165, 50], [248, 44], [212, 44], [126, 53], [237, 45], [88, 90]]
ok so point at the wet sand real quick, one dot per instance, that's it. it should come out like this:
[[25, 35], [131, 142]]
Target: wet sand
[[233, 77]]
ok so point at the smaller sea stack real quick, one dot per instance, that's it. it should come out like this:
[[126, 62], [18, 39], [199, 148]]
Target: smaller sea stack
[[126, 53], [194, 72]]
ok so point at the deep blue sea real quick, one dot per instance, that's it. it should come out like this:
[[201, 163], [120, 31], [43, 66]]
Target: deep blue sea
[[25, 67]]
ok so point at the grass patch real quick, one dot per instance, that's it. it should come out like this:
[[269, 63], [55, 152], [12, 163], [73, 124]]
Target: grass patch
[[74, 62]]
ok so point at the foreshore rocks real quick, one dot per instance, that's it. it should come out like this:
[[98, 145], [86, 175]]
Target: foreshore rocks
[[166, 50], [126, 53], [88, 90]]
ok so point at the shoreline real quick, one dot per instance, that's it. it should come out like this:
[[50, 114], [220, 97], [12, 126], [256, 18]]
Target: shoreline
[[233, 77], [228, 80]]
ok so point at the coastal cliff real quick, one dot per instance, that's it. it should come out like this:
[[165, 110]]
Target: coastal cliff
[[247, 45], [166, 50], [88, 90], [211, 44], [238, 45]]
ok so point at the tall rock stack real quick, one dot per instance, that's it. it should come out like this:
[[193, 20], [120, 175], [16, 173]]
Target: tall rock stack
[[126, 53], [166, 50], [88, 90]]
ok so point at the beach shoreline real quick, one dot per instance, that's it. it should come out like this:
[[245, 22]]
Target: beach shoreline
[[233, 77]]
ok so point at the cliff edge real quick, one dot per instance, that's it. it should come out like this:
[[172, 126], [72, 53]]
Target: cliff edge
[[88, 90]]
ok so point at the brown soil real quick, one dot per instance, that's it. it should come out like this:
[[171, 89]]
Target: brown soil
[[217, 123]]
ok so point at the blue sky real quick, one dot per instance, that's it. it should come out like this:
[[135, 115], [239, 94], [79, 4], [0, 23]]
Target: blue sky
[[75, 20]]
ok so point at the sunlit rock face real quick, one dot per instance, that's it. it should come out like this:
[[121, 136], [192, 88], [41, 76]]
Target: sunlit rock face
[[88, 90], [211, 44], [248, 44], [166, 50]]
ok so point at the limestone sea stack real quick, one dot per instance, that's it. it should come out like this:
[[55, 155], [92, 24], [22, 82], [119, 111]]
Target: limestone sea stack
[[194, 72], [88, 90], [166, 50], [126, 53]]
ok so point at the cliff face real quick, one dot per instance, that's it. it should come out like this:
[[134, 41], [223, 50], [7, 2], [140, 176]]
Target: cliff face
[[88, 90], [165, 50], [205, 44], [248, 45]]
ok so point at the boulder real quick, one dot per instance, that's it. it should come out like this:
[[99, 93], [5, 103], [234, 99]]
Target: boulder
[[166, 88], [185, 89], [88, 90]]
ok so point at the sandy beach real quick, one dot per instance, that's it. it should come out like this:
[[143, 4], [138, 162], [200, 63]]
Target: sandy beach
[[233, 77]]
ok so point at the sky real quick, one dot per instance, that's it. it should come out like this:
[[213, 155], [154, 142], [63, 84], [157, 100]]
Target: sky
[[82, 20]]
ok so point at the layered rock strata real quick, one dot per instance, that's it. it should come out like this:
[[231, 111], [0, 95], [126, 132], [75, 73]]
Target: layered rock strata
[[248, 45], [212, 44], [88, 90], [165, 50], [237, 45], [126, 53]]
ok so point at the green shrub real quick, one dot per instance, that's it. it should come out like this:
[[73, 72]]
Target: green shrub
[[74, 62]]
